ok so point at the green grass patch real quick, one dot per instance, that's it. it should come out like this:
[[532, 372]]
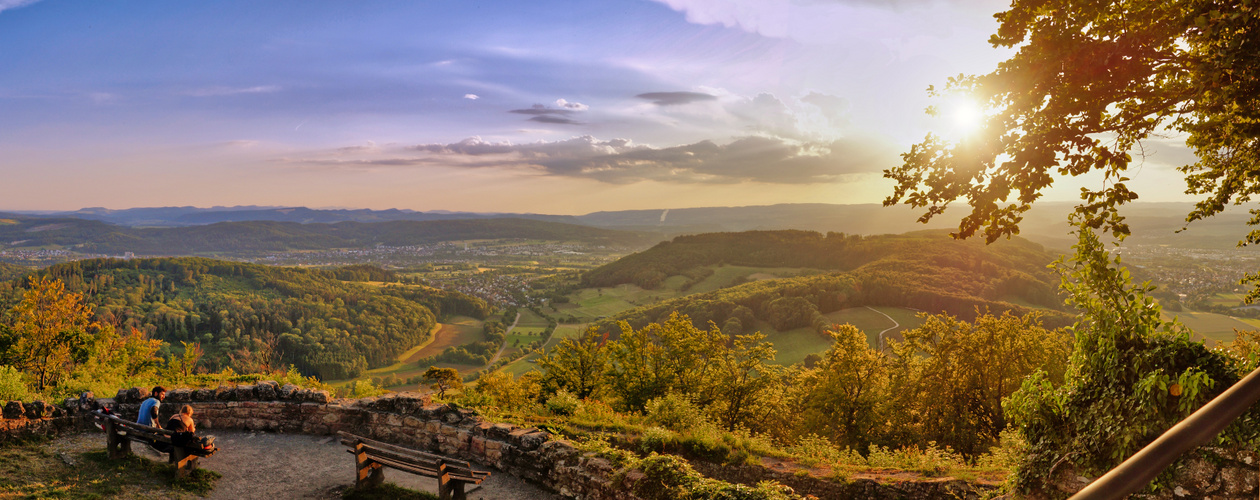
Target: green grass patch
[[386, 491], [458, 330], [526, 364], [725, 276], [529, 318], [1212, 326], [31, 470]]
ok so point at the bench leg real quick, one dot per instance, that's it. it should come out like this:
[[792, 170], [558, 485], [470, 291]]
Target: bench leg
[[116, 445], [368, 474], [184, 462], [449, 489]]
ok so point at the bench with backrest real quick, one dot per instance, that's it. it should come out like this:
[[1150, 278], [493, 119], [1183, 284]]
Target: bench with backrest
[[370, 457], [119, 433]]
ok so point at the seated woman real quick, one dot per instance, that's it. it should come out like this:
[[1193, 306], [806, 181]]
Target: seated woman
[[184, 433]]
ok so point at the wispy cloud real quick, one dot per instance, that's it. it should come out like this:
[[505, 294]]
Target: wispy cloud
[[620, 161], [675, 98], [13, 4], [472, 96], [559, 116], [225, 91]]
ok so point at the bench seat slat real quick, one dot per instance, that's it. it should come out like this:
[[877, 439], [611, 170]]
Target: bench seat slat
[[421, 469], [420, 455], [428, 472]]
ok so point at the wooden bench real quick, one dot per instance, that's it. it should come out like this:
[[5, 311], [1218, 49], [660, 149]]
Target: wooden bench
[[119, 434], [371, 456]]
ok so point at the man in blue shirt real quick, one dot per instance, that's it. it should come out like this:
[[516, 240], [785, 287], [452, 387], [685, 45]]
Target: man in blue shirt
[[149, 408]]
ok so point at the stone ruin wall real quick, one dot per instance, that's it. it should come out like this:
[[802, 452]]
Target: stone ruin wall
[[529, 453]]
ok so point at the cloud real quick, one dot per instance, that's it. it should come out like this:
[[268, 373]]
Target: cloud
[[831, 21], [834, 108], [559, 120], [675, 98], [620, 161], [558, 116], [13, 4], [576, 106], [540, 109], [222, 91], [472, 96]]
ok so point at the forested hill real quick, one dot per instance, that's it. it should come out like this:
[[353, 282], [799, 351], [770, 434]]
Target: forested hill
[[926, 270], [251, 317], [11, 271], [268, 236], [685, 255]]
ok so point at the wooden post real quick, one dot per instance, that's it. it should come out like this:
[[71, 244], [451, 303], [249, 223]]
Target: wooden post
[[184, 462], [118, 446], [369, 474], [444, 482]]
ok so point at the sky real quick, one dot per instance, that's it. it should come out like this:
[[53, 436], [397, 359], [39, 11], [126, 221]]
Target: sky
[[540, 106]]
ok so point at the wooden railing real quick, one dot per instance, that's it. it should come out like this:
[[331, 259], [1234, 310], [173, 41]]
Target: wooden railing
[[1196, 430]]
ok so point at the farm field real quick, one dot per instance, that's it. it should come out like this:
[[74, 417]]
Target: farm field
[[525, 364], [794, 345], [724, 276], [457, 330], [1212, 326]]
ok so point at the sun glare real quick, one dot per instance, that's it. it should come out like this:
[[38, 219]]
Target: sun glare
[[966, 115]]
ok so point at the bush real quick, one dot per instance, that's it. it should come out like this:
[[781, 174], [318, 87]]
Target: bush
[[563, 403], [674, 412], [12, 385], [656, 439]]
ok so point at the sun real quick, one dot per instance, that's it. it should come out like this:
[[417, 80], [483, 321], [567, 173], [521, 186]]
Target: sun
[[966, 115]]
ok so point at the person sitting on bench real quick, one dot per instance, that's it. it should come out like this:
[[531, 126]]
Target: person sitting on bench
[[185, 415], [185, 438], [149, 408]]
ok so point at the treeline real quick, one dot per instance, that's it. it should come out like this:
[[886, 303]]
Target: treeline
[[267, 236], [1007, 269], [13, 271], [944, 383], [803, 301], [257, 318]]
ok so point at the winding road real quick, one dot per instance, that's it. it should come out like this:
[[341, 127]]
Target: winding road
[[895, 326], [504, 346]]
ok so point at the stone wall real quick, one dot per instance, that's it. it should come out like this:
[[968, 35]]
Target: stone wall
[[404, 419], [36, 418]]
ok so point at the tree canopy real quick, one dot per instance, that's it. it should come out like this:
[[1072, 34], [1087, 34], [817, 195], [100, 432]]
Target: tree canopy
[[1090, 82]]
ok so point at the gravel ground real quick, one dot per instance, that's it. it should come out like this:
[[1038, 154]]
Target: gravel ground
[[281, 466]]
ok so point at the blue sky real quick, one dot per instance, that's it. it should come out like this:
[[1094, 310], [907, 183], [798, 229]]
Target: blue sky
[[554, 107]]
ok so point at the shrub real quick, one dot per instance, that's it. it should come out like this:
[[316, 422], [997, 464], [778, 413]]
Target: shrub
[[12, 385], [674, 412], [563, 403], [657, 439]]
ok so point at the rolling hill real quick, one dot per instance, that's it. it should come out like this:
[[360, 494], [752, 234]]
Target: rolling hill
[[926, 271], [90, 236]]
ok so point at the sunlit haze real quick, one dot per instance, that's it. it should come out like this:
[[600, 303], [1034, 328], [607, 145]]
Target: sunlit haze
[[547, 107]]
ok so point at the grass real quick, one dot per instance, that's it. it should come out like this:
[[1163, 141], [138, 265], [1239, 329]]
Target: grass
[[458, 330], [30, 470], [1227, 299], [724, 276], [386, 491], [525, 364], [1213, 326]]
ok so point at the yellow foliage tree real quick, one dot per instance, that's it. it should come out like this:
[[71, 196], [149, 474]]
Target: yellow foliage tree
[[52, 330]]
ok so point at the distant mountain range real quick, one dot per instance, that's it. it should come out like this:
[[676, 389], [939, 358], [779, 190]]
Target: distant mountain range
[[253, 237], [1151, 222]]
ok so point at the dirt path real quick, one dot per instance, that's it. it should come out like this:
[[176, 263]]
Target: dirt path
[[895, 326], [275, 466], [504, 346]]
